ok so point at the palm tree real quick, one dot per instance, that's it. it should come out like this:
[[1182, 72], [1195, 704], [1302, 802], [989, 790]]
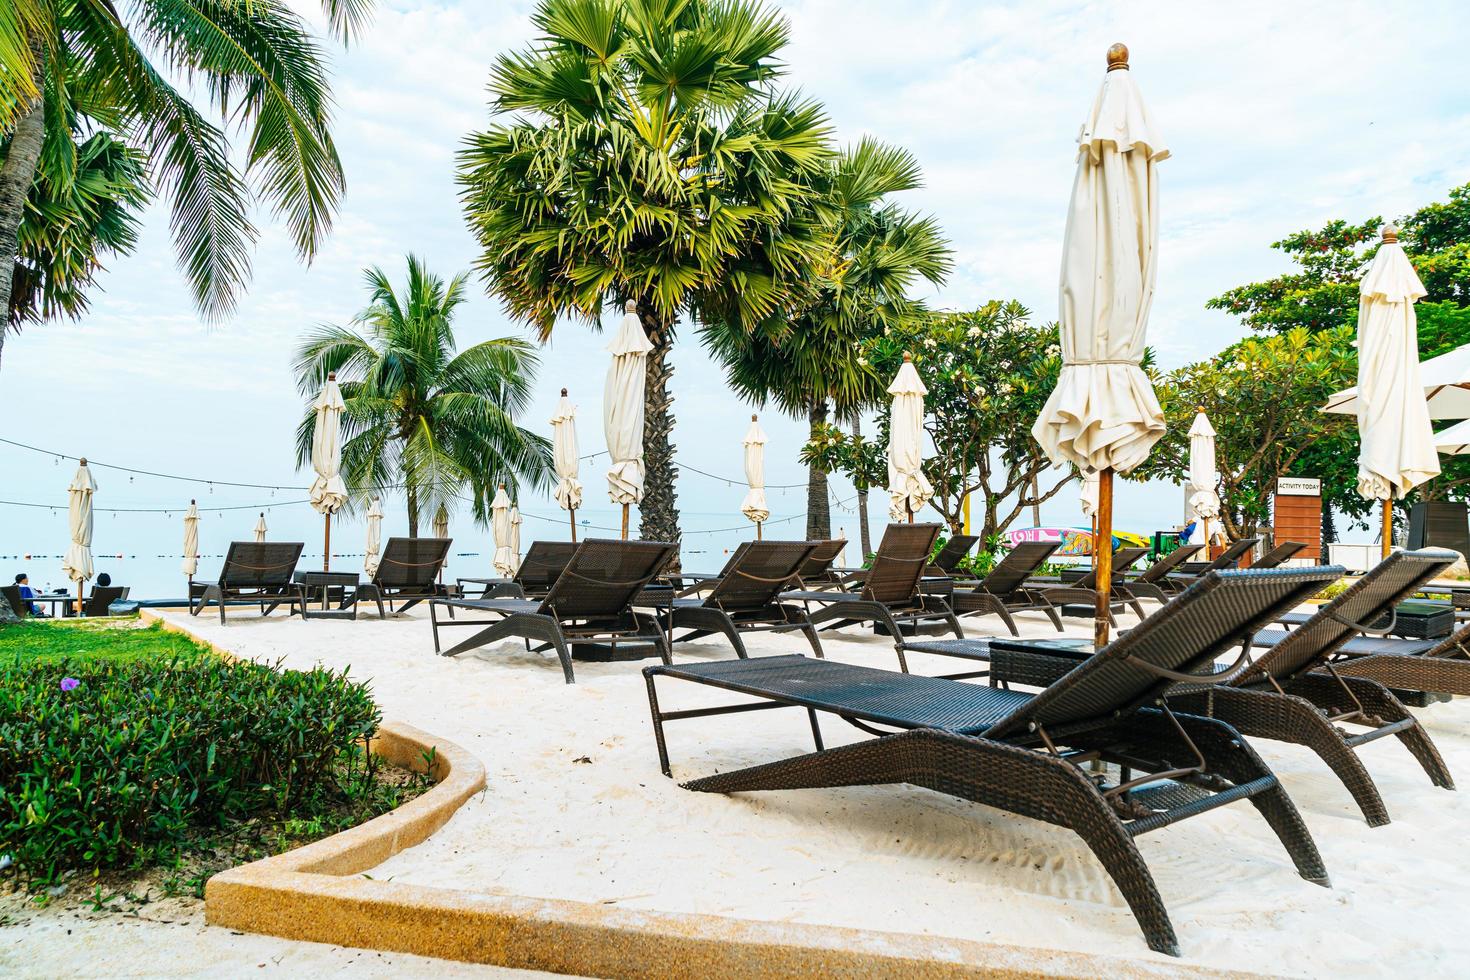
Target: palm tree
[[652, 159], [420, 416], [808, 362], [87, 63]]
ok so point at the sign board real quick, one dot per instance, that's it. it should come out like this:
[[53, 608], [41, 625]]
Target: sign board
[[1299, 486]]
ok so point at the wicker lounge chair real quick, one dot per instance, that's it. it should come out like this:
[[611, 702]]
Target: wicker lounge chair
[[890, 593], [1229, 558], [1004, 590], [537, 573], [817, 571], [254, 571], [11, 594], [1151, 583], [745, 599], [1006, 748], [408, 571], [948, 560], [101, 598], [1278, 554], [589, 606], [1084, 590]]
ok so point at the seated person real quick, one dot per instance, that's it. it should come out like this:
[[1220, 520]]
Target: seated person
[[23, 583]]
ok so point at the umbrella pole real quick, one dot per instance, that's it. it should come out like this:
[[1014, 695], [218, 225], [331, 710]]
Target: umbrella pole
[[1387, 526], [327, 544], [757, 530], [908, 505], [625, 522], [1103, 556], [572, 520]]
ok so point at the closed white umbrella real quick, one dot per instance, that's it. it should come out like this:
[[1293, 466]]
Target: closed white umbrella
[[622, 408], [441, 522], [260, 529], [515, 535], [504, 561], [564, 458], [78, 561], [191, 541], [908, 488], [372, 550], [1204, 501], [1397, 451], [328, 492], [754, 506], [1089, 495], [1103, 414]]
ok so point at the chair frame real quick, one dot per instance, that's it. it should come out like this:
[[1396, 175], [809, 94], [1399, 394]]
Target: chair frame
[[1005, 591], [253, 571], [419, 579]]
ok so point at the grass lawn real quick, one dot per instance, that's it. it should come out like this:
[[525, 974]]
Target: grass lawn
[[104, 639]]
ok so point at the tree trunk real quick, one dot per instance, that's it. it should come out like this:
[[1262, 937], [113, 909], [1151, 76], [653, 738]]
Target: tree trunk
[[17, 174], [413, 510], [865, 535], [1329, 527], [818, 509], [658, 513]]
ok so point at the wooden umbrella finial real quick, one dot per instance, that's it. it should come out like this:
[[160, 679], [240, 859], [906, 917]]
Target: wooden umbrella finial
[[192, 501], [752, 416], [1118, 57], [908, 358], [83, 461], [1390, 233], [631, 306], [564, 393], [331, 375]]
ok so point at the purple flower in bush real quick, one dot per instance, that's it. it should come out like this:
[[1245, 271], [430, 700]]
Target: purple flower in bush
[[70, 683]]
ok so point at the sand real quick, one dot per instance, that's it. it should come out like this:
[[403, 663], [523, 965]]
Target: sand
[[577, 809]]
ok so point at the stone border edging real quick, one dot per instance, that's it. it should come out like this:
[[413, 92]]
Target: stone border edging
[[317, 893]]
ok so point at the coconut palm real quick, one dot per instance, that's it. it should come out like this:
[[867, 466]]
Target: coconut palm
[[808, 362], [652, 158], [419, 415], [89, 64]]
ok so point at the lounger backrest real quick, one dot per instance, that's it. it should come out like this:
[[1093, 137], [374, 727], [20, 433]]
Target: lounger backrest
[[1457, 644], [953, 551], [1018, 566], [899, 564], [1169, 562], [1185, 636], [260, 564], [819, 563], [412, 562], [12, 595], [1278, 554], [735, 557], [604, 577], [544, 561], [1123, 558], [1232, 555], [764, 569], [1387, 584], [101, 599]]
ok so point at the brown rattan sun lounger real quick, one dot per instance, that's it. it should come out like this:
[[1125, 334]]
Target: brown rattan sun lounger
[[101, 598], [890, 594], [1152, 582], [1033, 754], [589, 607], [1004, 591], [1278, 554], [534, 578], [254, 571], [746, 598], [817, 572], [1229, 558], [1084, 590], [408, 571], [11, 594]]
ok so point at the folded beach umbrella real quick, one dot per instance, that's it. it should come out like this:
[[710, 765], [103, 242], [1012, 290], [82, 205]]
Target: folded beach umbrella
[[754, 505], [908, 488], [1089, 494], [515, 535], [191, 540], [372, 551], [1204, 501], [1103, 414], [504, 560], [78, 561], [260, 529], [622, 407], [441, 522], [1398, 446], [328, 492], [564, 458]]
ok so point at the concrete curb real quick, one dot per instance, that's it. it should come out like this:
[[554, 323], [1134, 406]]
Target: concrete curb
[[318, 893]]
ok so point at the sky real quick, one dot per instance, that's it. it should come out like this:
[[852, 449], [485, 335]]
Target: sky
[[1279, 117]]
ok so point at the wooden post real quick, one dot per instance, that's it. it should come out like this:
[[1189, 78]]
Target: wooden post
[[1387, 526], [327, 544], [625, 522], [1102, 556], [757, 530], [572, 519]]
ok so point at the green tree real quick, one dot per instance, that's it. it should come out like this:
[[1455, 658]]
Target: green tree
[[1271, 390], [989, 373], [651, 157], [420, 415], [863, 461], [68, 64], [808, 360]]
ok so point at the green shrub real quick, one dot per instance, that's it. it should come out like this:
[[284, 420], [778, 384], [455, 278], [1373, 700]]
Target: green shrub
[[113, 763]]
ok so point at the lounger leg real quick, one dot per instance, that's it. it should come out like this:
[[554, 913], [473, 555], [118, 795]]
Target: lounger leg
[[1053, 791], [1284, 718], [658, 726], [994, 605], [433, 623]]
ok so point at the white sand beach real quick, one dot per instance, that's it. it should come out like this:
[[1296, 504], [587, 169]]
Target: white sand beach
[[577, 809]]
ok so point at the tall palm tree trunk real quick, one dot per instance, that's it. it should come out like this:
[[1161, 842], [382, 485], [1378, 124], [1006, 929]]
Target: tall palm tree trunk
[[412, 493], [818, 511], [659, 517], [865, 536], [17, 174]]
